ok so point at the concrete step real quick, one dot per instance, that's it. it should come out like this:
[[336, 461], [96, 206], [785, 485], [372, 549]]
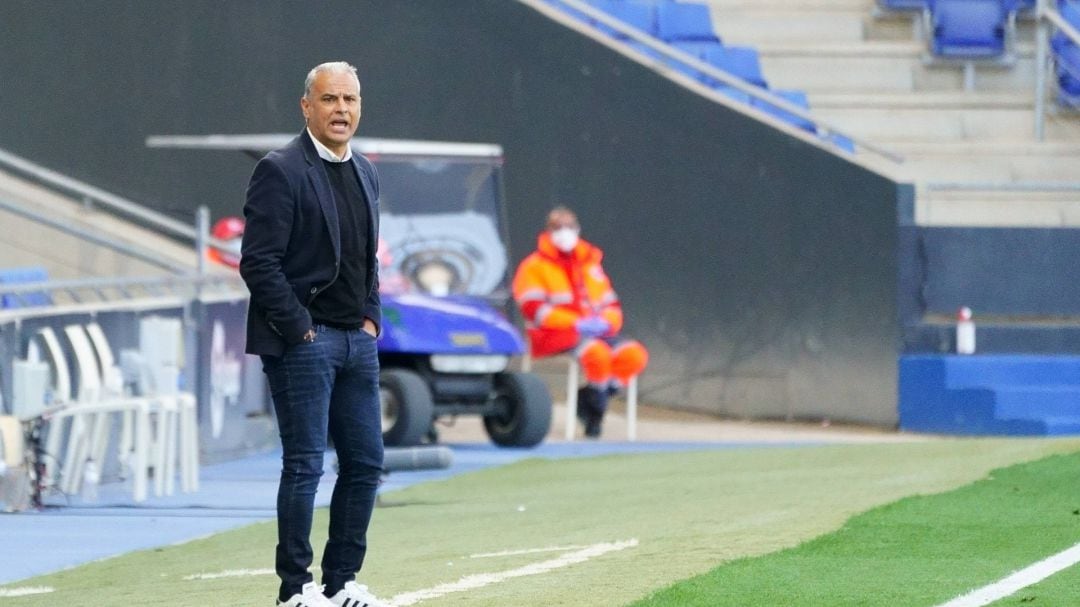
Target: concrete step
[[808, 19], [964, 394], [1028, 163], [1020, 147], [924, 100], [1000, 370], [805, 6], [986, 207], [789, 26], [1046, 401], [987, 169], [932, 124], [885, 67], [1062, 426], [893, 26]]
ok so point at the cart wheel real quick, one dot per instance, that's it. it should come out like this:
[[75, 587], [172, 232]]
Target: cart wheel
[[407, 407], [525, 415]]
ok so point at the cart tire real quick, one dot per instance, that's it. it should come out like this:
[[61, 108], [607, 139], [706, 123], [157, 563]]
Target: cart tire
[[526, 416], [407, 407]]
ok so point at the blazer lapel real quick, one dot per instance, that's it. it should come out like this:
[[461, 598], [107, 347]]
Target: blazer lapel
[[321, 184], [369, 199]]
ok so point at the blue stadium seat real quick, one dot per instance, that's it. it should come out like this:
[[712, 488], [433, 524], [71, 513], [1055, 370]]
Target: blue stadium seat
[[1067, 62], [685, 22], [580, 16], [15, 276], [796, 97], [696, 48], [969, 29], [639, 16], [1019, 5], [903, 5], [733, 93], [1070, 11], [842, 142], [740, 61]]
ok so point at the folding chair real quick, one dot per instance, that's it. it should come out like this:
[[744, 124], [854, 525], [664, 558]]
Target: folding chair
[[573, 379], [91, 418], [176, 429]]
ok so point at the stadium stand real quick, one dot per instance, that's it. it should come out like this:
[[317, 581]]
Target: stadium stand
[[1067, 57], [76, 231], [970, 29], [641, 16], [740, 61], [796, 97], [903, 5], [950, 85], [688, 27], [15, 276]]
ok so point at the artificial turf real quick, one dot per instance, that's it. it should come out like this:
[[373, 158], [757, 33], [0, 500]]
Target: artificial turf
[[688, 512], [918, 551]]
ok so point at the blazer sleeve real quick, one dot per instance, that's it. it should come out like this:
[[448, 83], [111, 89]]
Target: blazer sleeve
[[268, 215], [373, 305]]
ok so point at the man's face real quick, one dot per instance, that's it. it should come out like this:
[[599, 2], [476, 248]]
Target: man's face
[[332, 109]]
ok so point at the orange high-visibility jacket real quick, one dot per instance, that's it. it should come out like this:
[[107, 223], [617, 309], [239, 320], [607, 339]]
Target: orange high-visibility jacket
[[555, 289]]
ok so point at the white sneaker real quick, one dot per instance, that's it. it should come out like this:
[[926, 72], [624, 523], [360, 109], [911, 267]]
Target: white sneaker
[[355, 595], [310, 596]]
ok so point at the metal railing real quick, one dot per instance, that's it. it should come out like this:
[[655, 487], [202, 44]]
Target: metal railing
[[96, 198], [1047, 17], [143, 254], [30, 296], [822, 128], [1002, 186]]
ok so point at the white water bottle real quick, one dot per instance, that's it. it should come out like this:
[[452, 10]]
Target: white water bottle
[[91, 480], [965, 331]]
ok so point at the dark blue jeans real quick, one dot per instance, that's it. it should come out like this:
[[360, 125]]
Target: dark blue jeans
[[328, 386]]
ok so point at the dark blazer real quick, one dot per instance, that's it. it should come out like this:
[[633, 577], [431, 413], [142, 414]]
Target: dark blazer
[[292, 243]]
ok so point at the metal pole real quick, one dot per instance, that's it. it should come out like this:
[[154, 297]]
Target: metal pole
[[1042, 37], [202, 235]]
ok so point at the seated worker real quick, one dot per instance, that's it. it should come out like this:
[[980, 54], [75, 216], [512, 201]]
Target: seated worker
[[568, 304]]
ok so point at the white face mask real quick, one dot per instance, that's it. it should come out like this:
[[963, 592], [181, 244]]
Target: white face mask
[[564, 239]]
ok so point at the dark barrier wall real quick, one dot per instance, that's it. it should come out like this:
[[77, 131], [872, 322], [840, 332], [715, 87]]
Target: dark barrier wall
[[760, 271], [1023, 285]]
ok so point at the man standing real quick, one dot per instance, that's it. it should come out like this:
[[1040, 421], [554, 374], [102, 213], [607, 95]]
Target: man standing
[[308, 258], [568, 304]]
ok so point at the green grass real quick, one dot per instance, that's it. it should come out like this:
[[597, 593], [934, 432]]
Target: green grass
[[918, 551], [689, 511]]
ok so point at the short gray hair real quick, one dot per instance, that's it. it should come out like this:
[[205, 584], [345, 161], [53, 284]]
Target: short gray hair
[[332, 67]]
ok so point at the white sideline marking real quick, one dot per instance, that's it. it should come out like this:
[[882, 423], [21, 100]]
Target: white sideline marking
[[472, 582], [1018, 580], [229, 573], [484, 555], [25, 591]]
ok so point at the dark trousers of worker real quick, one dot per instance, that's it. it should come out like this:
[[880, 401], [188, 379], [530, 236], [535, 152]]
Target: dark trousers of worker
[[330, 386]]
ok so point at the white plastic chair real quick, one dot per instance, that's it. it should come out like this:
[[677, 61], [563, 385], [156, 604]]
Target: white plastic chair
[[61, 394], [176, 442], [91, 413], [573, 380]]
